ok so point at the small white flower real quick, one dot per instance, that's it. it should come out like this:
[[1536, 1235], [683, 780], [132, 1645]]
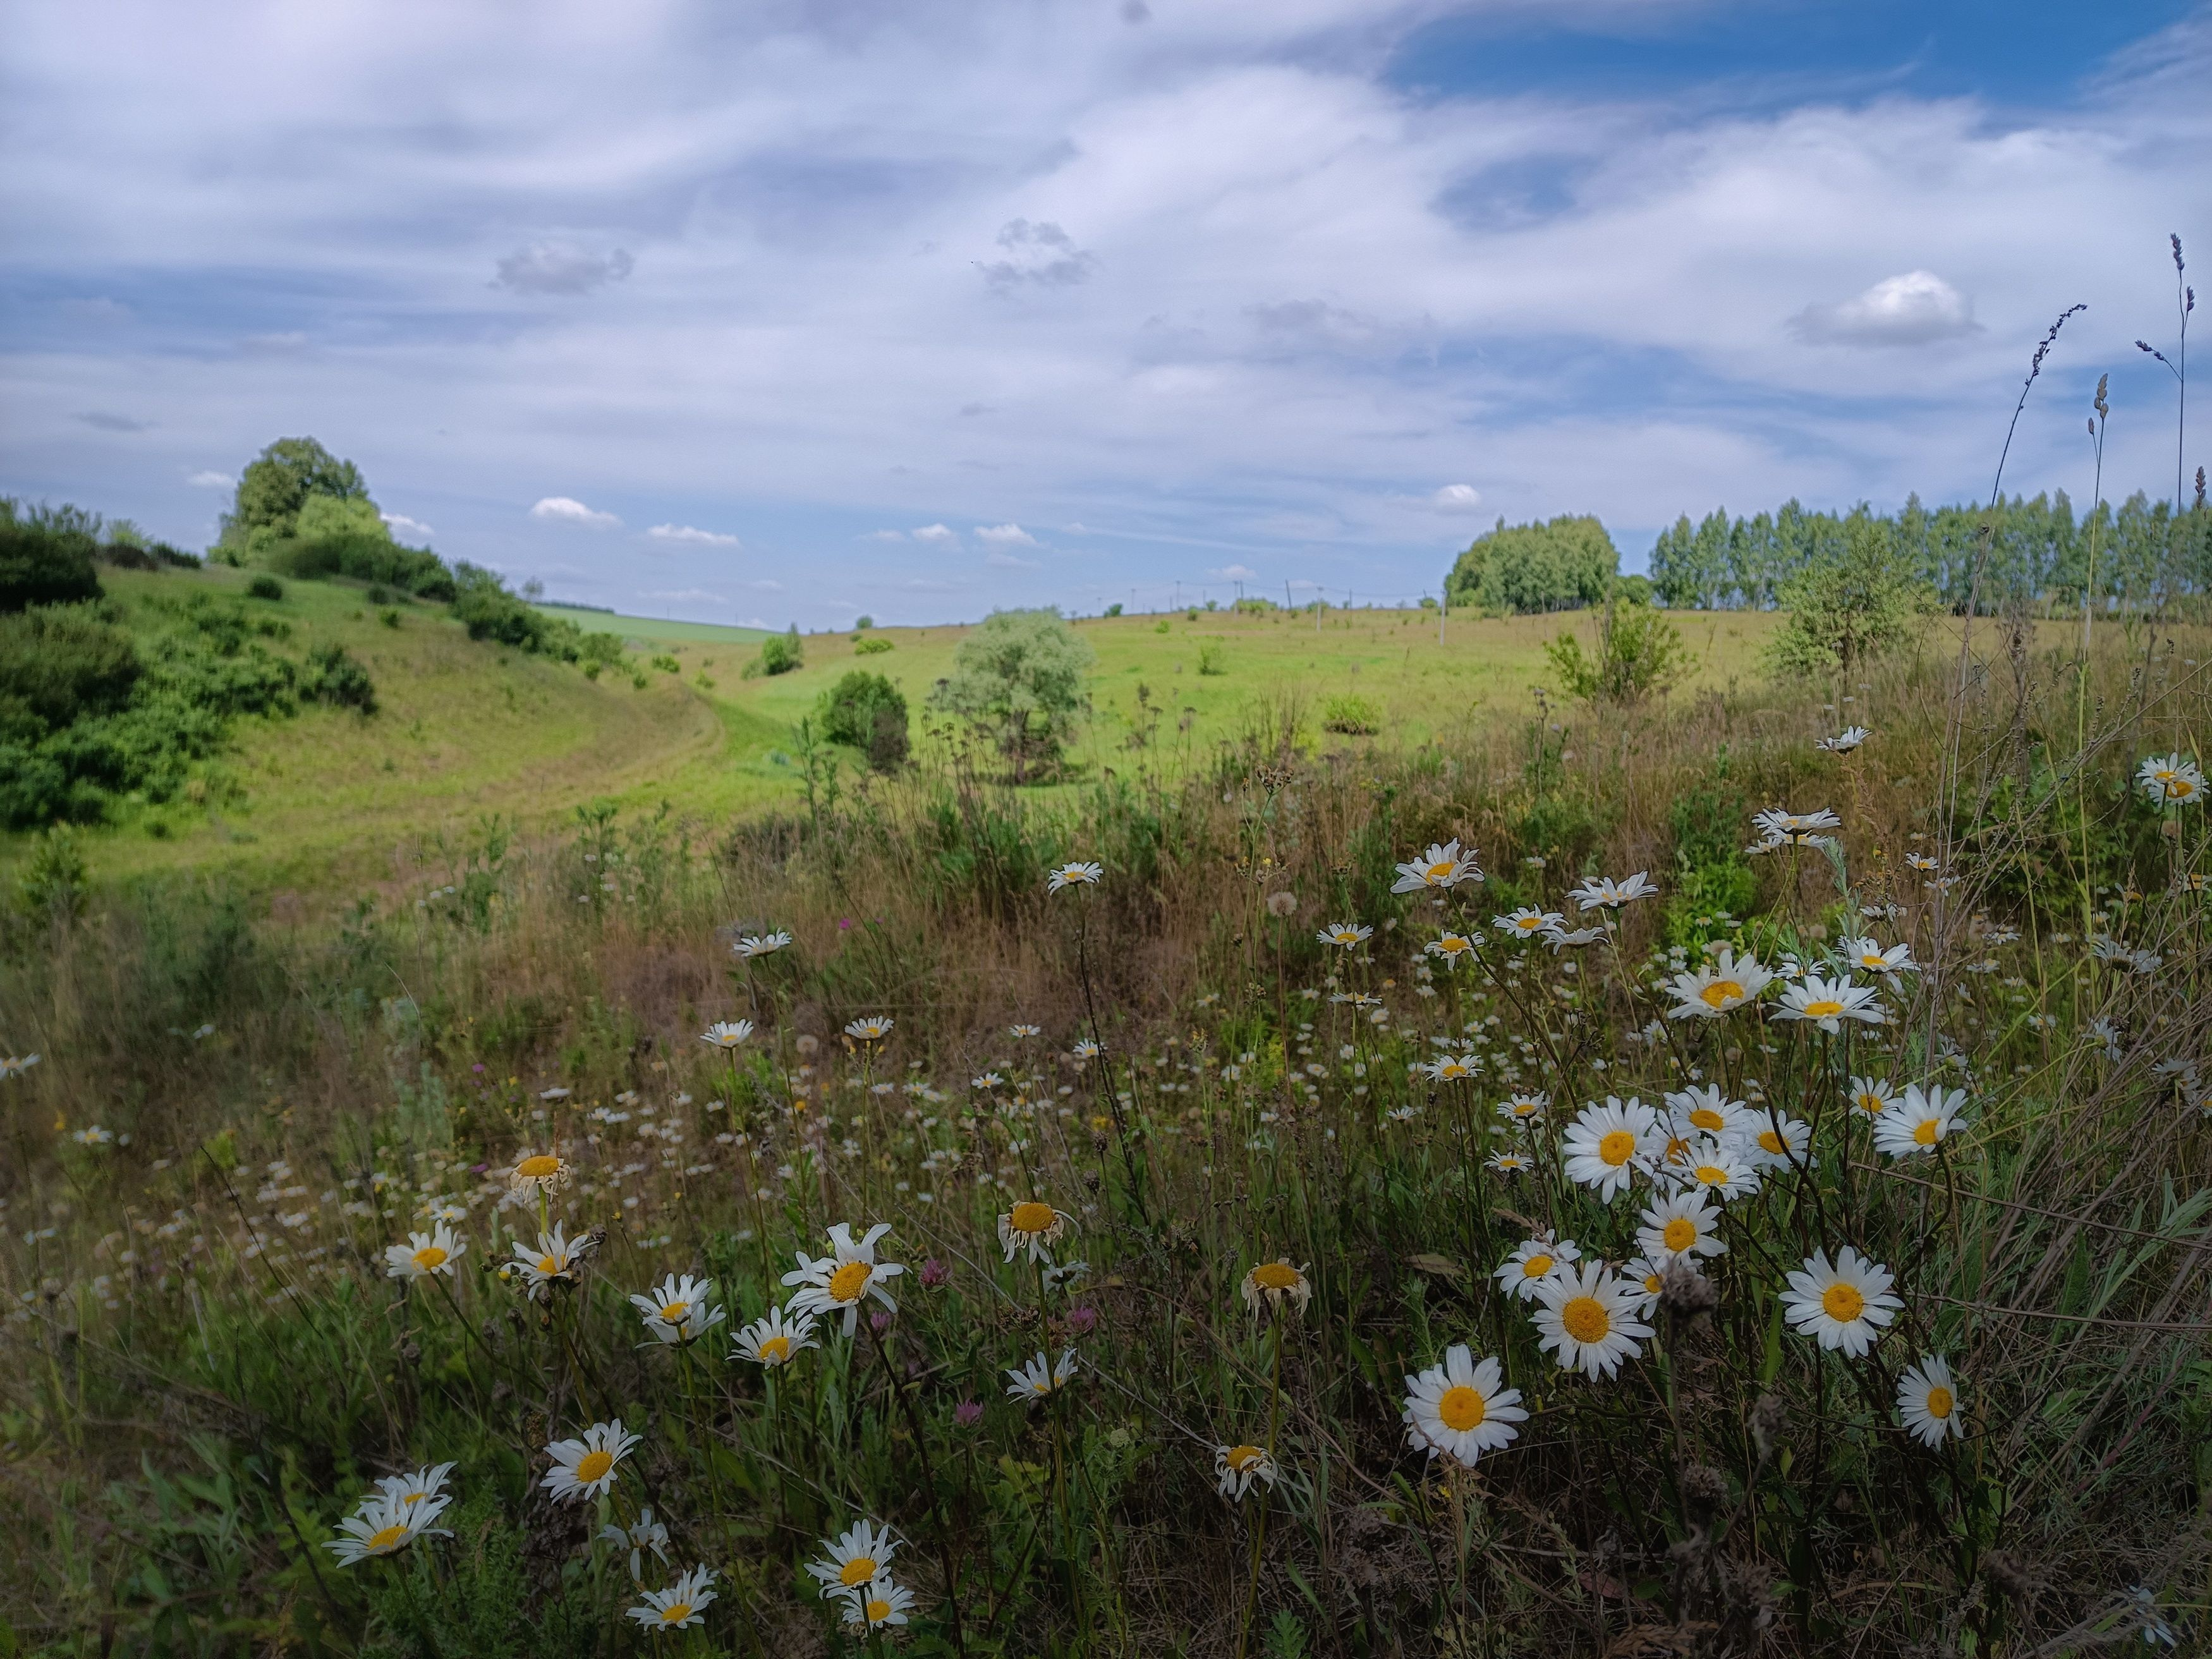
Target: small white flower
[[836, 1283], [1921, 1121], [857, 1556], [1533, 1261], [759, 944], [726, 1033], [385, 1525], [678, 1312], [772, 1339], [1077, 874], [1238, 1469], [1528, 922], [682, 1603], [1441, 866], [1345, 935], [1033, 1227], [1828, 1002], [424, 1253], [876, 1603], [1928, 1402], [1681, 1227], [1604, 1145], [1602, 892], [1041, 1377], [1867, 955], [1844, 1306], [586, 1467], [1845, 740], [2171, 780], [1586, 1320], [646, 1534], [1457, 1410]]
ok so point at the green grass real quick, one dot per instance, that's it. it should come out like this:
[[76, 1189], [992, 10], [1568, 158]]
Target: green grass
[[655, 630]]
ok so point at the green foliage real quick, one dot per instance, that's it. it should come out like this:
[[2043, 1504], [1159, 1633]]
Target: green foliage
[[489, 610], [347, 536], [1019, 678], [1211, 658], [873, 645], [265, 586], [1849, 609], [58, 664], [276, 485], [666, 663], [1638, 652], [1559, 565], [1351, 714], [866, 712], [55, 881], [1115, 609], [334, 677], [45, 555], [780, 654], [863, 622]]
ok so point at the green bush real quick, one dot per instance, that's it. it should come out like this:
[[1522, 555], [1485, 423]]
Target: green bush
[[667, 665], [781, 653], [1211, 660], [337, 678], [1351, 714], [866, 712], [1638, 652], [59, 664], [872, 647], [265, 586], [45, 555], [489, 611], [1020, 678]]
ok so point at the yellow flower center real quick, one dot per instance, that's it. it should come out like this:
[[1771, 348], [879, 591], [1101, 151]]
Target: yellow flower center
[[675, 1612], [1586, 1319], [1721, 992], [390, 1539], [1276, 1276], [542, 1167], [858, 1570], [1679, 1234], [878, 1610], [849, 1281], [549, 1264], [1706, 1118], [1823, 1009], [1873, 959], [776, 1350], [1031, 1218], [674, 1313], [1617, 1148], [1528, 923], [1536, 1266], [1711, 1175], [1939, 1403], [1451, 947], [1871, 1104], [1462, 1408], [594, 1466], [1438, 872], [429, 1258], [1769, 1141], [1843, 1303], [1651, 1284], [414, 1497], [1677, 1149], [1242, 1458], [2180, 788], [1926, 1132]]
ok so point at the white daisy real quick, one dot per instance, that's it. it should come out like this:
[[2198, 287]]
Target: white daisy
[[1440, 866], [1828, 1002], [417, 1487], [423, 1254], [1680, 1226], [772, 1339], [586, 1467], [1704, 1110], [857, 1556], [1345, 935], [1236, 1469], [1527, 921], [678, 1313], [1586, 1320], [1643, 1280], [1041, 1377], [1919, 1122], [646, 1533], [759, 944], [1778, 825], [538, 1172], [554, 1256], [385, 1525], [1605, 1143], [1524, 1108], [1602, 892], [1450, 1068], [1771, 1140], [1507, 1162], [1845, 740], [1273, 1283], [1449, 948], [836, 1283], [876, 1603], [874, 1029], [2171, 780], [684, 1602], [1457, 1410], [1076, 874], [1928, 1402], [1721, 986], [1533, 1261], [726, 1033], [1561, 938], [1716, 1169], [1844, 1306], [1867, 955], [1034, 1227], [1872, 1095]]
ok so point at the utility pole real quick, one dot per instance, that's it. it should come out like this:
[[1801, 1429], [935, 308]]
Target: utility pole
[[1443, 610]]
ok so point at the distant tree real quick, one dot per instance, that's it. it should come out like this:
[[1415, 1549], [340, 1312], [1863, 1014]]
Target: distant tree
[[278, 484], [779, 654], [1561, 565], [1847, 609], [866, 712], [1020, 678]]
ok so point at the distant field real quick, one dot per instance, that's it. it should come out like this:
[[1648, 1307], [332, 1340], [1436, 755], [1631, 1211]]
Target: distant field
[[652, 630]]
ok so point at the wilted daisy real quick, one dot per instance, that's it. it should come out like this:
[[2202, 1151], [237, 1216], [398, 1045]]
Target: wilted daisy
[[423, 1254], [1031, 1226], [1238, 1469], [1449, 947], [857, 1556], [837, 1282], [1828, 1002], [1604, 1144], [1273, 1283], [1844, 1306], [1602, 892], [1526, 922], [1457, 1410], [684, 1602], [1680, 1226], [646, 1534], [385, 1525], [1919, 1122], [1927, 1401], [1867, 955], [726, 1033], [1586, 1321], [538, 1172], [1845, 740], [2171, 780], [1533, 1261], [876, 1603], [773, 1340], [1872, 1095], [678, 1312], [1524, 1108], [1041, 1377], [1723, 984], [749, 945], [1704, 1110], [1440, 866], [1773, 1140], [1077, 874], [586, 1467], [1345, 935], [1563, 938], [554, 1256]]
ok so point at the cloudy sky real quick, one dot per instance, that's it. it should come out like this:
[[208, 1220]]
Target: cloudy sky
[[795, 309]]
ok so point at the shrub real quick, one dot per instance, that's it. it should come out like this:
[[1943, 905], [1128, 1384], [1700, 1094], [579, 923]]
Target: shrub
[[1847, 610], [781, 653], [1211, 659], [667, 665], [265, 586], [335, 677], [1019, 680], [489, 611], [1351, 714], [1638, 652], [59, 664], [866, 712], [872, 647], [45, 555]]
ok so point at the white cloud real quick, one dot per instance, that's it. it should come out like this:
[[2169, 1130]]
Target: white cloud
[[1235, 573], [1008, 562], [1917, 308], [938, 533], [560, 268], [1456, 498], [684, 532], [212, 480], [402, 523], [568, 510], [1004, 535]]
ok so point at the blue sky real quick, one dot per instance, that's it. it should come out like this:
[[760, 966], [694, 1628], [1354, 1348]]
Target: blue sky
[[816, 308]]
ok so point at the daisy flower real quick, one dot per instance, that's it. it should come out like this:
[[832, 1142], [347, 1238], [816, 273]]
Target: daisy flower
[[1704, 1111], [1604, 1144], [1844, 1306], [417, 1487], [1345, 935], [2171, 780], [1771, 1140], [1873, 1095], [858, 1556], [772, 1339], [1866, 956], [540, 1172], [1586, 1320], [1084, 1048], [1020, 1033], [678, 1312], [1077, 874], [384, 1525], [1457, 1410], [1523, 1108], [1238, 1469], [1845, 740], [1602, 892], [1927, 1401], [876, 1603], [1451, 1068], [16, 1065], [874, 1029], [1778, 825], [1533, 1261], [1921, 861], [1721, 986], [836, 1283], [1271, 1284], [726, 1033], [1828, 1002], [1507, 1162], [554, 1256], [586, 1467], [1643, 1280], [1440, 866], [1679, 1227], [423, 1254], [1526, 922], [1449, 947], [759, 944], [1561, 938], [1920, 1120], [646, 1534], [1032, 1226], [94, 1135], [684, 1602], [1714, 1168]]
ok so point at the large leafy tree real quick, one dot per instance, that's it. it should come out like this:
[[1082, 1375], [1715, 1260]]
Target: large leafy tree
[[279, 482], [1561, 565], [1020, 678]]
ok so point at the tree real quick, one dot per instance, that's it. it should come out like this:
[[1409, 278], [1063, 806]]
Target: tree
[[1020, 678], [866, 712], [1555, 565], [278, 483], [779, 654], [1850, 607]]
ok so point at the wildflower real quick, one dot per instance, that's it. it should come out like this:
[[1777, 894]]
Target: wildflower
[[417, 1487], [837, 1282], [1927, 1401], [1921, 861], [726, 1033], [1561, 938], [1450, 1068], [682, 1603], [555, 1255], [1605, 1142], [1032, 1226], [1073, 875], [1526, 922], [1236, 1469], [857, 1557], [1457, 1410], [1773, 1140], [1021, 1033], [1282, 904], [1778, 825], [876, 1603], [759, 944], [1533, 1261], [1346, 935], [1084, 1048], [1524, 1107], [384, 1525], [773, 1340], [1845, 740], [94, 1135], [16, 1065], [1867, 955], [1439, 867], [540, 1172], [874, 1029], [1449, 947], [2157, 1631], [2171, 780], [423, 1254], [586, 1467], [646, 1534], [1715, 1166], [1041, 1377], [1680, 1227], [1272, 1283], [1845, 1305], [1721, 986], [1923, 1118], [1828, 1002], [1645, 1281], [1586, 1321], [1602, 892], [1704, 1110], [1507, 1162], [1873, 1096], [678, 1312]]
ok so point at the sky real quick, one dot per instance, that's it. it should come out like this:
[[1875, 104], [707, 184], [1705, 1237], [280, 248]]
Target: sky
[[799, 310]]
